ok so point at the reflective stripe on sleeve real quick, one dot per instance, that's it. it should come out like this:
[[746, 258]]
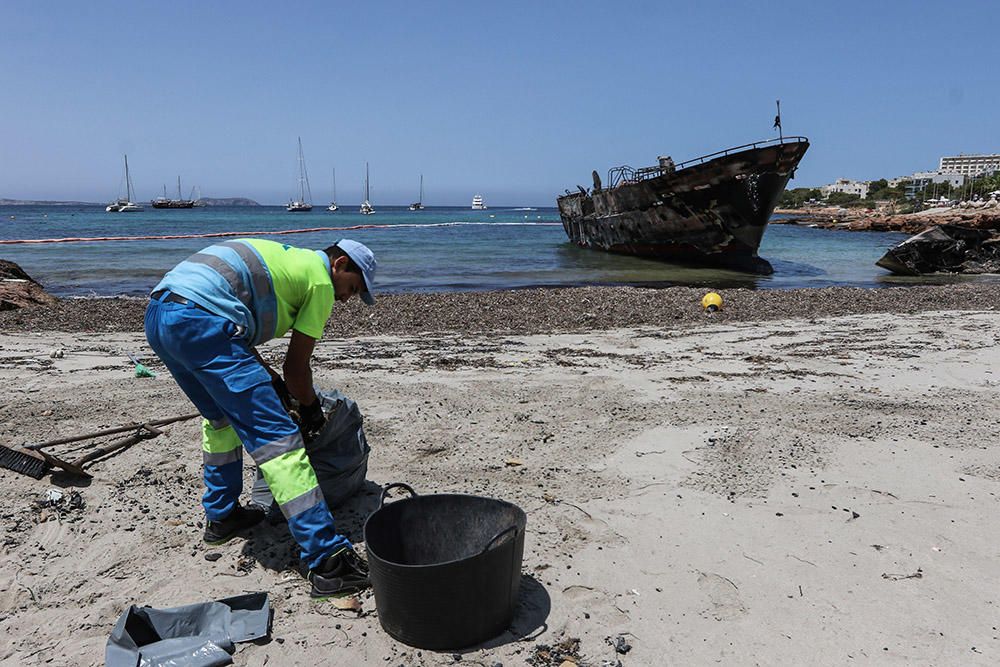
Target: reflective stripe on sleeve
[[262, 287], [227, 272]]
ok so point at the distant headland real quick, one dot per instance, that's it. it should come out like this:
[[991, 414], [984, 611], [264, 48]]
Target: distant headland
[[39, 202], [228, 201], [207, 201]]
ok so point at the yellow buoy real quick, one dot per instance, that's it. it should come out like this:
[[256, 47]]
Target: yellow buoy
[[711, 302]]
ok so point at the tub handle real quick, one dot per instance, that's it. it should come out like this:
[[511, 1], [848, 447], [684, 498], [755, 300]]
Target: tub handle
[[498, 536], [396, 485]]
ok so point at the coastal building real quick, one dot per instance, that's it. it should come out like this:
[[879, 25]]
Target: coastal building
[[846, 186], [922, 181], [930, 177], [970, 165]]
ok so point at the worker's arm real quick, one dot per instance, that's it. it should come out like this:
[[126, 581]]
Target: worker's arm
[[298, 374]]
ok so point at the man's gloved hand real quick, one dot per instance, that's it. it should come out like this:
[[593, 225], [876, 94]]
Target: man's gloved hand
[[283, 394], [311, 417]]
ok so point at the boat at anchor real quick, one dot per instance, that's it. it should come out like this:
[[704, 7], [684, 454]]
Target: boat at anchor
[[124, 205], [304, 202]]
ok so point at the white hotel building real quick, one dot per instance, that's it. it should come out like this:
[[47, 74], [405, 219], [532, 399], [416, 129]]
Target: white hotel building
[[970, 165], [846, 186]]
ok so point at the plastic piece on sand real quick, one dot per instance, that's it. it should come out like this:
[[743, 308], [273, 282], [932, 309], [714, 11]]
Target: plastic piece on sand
[[143, 372], [195, 635]]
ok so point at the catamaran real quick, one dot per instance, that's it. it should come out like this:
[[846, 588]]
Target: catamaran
[[304, 203], [333, 204], [366, 205], [125, 205], [419, 204]]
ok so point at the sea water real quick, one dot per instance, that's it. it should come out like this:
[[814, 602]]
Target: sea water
[[434, 250]]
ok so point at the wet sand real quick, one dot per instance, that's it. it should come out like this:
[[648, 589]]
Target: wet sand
[[807, 478]]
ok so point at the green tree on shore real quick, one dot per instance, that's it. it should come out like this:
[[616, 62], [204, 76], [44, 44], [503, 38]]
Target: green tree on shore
[[987, 184], [797, 197], [843, 199]]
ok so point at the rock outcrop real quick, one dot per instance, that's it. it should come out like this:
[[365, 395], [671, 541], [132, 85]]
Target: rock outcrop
[[986, 217], [18, 289]]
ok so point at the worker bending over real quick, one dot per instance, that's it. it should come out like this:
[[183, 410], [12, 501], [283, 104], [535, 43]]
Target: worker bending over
[[204, 320]]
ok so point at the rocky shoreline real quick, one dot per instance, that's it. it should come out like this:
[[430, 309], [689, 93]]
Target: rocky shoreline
[[18, 289], [863, 220], [537, 311]]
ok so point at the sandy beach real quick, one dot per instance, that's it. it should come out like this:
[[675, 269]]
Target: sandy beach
[[809, 477]]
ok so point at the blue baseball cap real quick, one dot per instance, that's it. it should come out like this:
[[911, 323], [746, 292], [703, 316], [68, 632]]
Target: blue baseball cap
[[365, 260]]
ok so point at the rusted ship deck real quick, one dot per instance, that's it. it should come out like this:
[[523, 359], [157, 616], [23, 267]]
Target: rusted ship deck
[[711, 210]]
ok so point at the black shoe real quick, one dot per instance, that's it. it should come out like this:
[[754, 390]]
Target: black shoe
[[241, 518], [342, 573]]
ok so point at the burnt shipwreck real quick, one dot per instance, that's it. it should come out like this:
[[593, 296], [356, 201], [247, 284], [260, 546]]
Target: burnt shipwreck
[[709, 211], [945, 249]]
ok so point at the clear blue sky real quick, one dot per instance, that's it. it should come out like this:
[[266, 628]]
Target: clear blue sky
[[514, 100]]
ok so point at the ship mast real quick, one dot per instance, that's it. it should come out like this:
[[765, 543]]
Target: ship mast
[[128, 182], [303, 177]]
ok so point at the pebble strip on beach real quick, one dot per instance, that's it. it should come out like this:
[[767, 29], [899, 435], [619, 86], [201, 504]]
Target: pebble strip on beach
[[534, 311]]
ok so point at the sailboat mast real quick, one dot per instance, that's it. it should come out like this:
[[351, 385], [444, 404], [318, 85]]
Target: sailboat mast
[[421, 200], [179, 188], [367, 196], [335, 185], [128, 182], [302, 193]]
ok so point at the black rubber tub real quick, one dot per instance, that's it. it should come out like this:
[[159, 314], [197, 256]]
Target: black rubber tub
[[445, 568]]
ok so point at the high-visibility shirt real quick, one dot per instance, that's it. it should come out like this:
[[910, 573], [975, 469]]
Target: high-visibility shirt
[[262, 286]]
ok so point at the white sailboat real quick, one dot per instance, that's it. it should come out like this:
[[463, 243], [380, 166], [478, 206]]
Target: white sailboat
[[366, 205], [333, 204], [304, 203], [125, 205], [419, 204]]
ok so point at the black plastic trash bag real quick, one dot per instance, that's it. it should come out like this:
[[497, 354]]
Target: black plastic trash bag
[[195, 635], [338, 454]]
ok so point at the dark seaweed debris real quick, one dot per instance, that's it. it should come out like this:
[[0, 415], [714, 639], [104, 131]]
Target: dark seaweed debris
[[547, 310]]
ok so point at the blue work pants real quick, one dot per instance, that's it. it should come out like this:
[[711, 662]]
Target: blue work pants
[[215, 368]]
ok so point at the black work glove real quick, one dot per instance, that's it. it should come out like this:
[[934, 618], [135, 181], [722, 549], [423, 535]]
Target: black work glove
[[311, 417], [283, 394]]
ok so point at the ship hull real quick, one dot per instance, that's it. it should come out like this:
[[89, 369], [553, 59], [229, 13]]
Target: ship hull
[[712, 213], [172, 203]]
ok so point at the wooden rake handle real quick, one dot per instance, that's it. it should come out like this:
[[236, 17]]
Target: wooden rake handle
[[146, 432], [112, 431]]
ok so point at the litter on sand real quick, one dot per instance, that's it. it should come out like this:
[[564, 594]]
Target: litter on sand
[[195, 635]]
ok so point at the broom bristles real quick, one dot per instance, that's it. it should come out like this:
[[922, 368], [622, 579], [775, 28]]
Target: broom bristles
[[23, 462]]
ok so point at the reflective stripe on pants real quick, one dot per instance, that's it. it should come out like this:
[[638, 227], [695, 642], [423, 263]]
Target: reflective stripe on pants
[[217, 371]]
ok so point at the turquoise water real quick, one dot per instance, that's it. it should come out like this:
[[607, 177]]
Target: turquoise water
[[492, 249]]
